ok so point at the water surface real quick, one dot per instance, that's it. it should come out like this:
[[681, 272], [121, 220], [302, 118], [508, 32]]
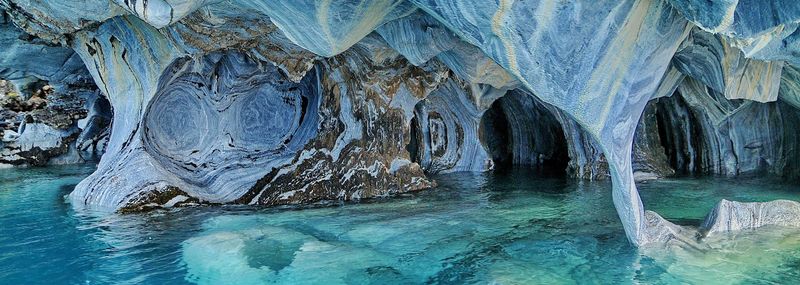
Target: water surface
[[508, 228]]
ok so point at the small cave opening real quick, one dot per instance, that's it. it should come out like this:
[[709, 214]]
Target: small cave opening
[[680, 135], [520, 132], [414, 143], [496, 136]]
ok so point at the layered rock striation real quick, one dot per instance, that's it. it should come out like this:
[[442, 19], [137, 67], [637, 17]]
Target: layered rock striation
[[285, 102]]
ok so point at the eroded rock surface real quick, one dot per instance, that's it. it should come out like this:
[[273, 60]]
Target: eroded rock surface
[[281, 102], [50, 110], [729, 216]]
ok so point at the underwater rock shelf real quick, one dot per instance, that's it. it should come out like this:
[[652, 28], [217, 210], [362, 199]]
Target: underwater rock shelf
[[288, 102]]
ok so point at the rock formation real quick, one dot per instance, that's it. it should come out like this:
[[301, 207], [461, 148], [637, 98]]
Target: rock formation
[[285, 102], [50, 110], [735, 216]]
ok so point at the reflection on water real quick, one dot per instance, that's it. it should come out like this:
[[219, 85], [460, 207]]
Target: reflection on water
[[474, 228]]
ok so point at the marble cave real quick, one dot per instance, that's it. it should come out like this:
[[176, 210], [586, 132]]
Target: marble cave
[[273, 114]]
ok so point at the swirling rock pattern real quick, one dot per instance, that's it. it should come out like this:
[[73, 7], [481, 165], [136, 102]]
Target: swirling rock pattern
[[714, 62], [739, 18], [282, 141], [735, 137], [267, 118], [330, 27], [448, 124], [196, 86]]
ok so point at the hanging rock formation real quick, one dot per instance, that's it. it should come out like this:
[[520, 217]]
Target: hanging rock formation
[[284, 102]]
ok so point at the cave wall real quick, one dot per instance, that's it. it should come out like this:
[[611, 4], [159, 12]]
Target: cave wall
[[708, 134], [448, 123], [369, 94], [294, 133], [50, 109]]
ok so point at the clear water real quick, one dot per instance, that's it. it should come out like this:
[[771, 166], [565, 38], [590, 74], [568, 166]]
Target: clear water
[[508, 228]]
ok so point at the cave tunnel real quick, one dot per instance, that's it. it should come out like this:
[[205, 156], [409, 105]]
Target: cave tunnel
[[680, 134], [520, 132], [746, 138], [414, 142]]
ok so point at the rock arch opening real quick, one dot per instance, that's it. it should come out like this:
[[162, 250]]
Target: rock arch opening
[[703, 133], [519, 131]]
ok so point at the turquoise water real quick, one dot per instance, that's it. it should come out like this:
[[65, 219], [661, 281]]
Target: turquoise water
[[510, 228]]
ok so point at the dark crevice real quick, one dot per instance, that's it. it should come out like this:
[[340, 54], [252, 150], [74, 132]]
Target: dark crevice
[[496, 136], [414, 141], [680, 135], [520, 132]]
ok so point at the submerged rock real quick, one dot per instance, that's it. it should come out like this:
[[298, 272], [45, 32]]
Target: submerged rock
[[729, 216]]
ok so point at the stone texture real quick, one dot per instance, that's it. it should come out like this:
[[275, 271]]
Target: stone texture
[[282, 141], [739, 18], [729, 216], [46, 90], [708, 134], [713, 61], [448, 123], [279, 102]]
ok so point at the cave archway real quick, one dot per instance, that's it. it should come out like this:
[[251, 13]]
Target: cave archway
[[519, 131], [704, 133]]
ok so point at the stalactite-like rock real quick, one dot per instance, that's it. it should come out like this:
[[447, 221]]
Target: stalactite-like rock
[[740, 18], [711, 60]]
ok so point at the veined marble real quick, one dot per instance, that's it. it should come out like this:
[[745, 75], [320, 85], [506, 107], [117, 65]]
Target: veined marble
[[281, 102]]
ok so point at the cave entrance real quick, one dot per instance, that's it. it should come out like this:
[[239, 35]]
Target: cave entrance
[[496, 136], [680, 135], [414, 143], [520, 132]]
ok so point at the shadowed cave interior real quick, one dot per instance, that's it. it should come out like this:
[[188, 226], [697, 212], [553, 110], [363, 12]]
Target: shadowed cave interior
[[519, 132]]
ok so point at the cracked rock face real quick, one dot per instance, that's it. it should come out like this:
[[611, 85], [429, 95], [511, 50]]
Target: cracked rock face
[[282, 102]]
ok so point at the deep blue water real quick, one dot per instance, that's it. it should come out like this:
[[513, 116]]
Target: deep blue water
[[511, 228]]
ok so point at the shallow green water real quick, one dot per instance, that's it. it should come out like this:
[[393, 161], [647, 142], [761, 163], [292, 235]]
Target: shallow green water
[[511, 228]]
